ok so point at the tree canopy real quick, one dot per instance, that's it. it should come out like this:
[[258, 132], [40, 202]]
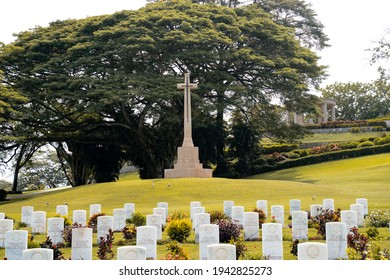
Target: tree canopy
[[108, 83]]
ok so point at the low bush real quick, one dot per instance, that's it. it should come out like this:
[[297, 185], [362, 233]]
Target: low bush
[[377, 218], [105, 251], [179, 230], [130, 232], [279, 148], [228, 231], [92, 222], [325, 216], [365, 144], [138, 219], [217, 215], [262, 216], [176, 251], [355, 130], [3, 194]]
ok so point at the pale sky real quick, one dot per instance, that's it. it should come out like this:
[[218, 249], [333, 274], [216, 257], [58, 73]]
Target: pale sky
[[352, 26]]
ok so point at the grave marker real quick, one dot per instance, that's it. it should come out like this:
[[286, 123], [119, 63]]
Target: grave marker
[[312, 251], [251, 225], [200, 219], [227, 207], [39, 222], [315, 209], [161, 211], [81, 244], [328, 203], [208, 235], [349, 217], [15, 243], [197, 210], [130, 209], [55, 227], [364, 202], [238, 214], [94, 209], [38, 254], [2, 216], [27, 215], [147, 238], [131, 253], [119, 215], [62, 210], [80, 217], [359, 208], [156, 221], [104, 223], [262, 205], [336, 239], [221, 252], [165, 206], [193, 204], [300, 229], [5, 225], [272, 241], [277, 212], [295, 205]]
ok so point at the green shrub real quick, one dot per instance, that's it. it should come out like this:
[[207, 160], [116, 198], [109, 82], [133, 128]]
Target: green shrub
[[372, 232], [302, 152], [382, 140], [349, 145], [355, 130], [217, 215], [279, 148], [377, 128], [138, 219], [325, 216], [177, 215], [260, 161], [291, 155], [358, 243], [365, 144], [3, 194], [179, 230], [262, 216], [92, 222], [129, 232]]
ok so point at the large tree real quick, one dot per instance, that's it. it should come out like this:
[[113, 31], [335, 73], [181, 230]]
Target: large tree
[[112, 79]]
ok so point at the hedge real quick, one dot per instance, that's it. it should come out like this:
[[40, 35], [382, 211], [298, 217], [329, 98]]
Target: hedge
[[312, 159]]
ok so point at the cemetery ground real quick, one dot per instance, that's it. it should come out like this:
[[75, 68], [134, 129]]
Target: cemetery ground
[[343, 181]]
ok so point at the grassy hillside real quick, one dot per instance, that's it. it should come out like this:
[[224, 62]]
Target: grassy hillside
[[344, 181]]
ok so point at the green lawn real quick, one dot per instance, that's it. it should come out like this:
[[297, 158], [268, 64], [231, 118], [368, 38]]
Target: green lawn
[[344, 181], [340, 137]]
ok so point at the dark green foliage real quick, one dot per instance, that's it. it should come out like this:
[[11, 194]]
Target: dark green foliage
[[3, 194], [105, 251], [279, 148], [365, 144], [130, 232], [294, 247], [67, 234], [262, 216], [176, 251], [138, 219], [372, 232], [358, 242], [217, 215], [48, 244], [228, 231]]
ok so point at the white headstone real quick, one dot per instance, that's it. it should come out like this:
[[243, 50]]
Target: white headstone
[[119, 215], [315, 209], [80, 217], [238, 214], [262, 205], [2, 216], [336, 239], [227, 207], [349, 217], [197, 210], [221, 252], [272, 241], [27, 215], [55, 227], [81, 244], [208, 235], [95, 209], [300, 229], [251, 225], [39, 222], [277, 212], [161, 211], [62, 210], [295, 205], [5, 225], [131, 253], [15, 243], [147, 238], [156, 221], [104, 223], [200, 219], [130, 209], [312, 251], [328, 204], [163, 205], [364, 202], [38, 254], [192, 205], [359, 208]]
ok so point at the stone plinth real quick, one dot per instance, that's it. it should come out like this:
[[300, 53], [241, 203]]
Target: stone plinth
[[188, 165]]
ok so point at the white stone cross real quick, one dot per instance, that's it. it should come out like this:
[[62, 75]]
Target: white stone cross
[[187, 86]]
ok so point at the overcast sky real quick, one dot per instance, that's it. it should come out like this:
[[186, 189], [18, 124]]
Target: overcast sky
[[352, 26]]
